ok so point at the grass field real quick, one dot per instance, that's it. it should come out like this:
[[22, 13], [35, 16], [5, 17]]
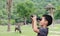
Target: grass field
[[27, 31]]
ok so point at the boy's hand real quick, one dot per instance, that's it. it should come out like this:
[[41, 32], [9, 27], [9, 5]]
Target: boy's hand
[[34, 18]]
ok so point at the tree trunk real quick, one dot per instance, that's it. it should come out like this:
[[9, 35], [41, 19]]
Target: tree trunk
[[9, 2], [24, 20], [52, 14]]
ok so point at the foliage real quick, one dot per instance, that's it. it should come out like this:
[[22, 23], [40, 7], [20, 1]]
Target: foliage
[[25, 8]]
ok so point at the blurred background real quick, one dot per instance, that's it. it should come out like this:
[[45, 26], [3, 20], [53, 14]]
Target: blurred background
[[17, 13]]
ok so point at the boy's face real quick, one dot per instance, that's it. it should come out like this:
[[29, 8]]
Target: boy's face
[[43, 21]]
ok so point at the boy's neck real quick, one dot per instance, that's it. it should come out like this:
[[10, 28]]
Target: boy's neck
[[44, 26]]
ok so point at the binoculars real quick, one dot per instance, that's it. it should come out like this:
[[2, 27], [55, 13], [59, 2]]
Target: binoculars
[[38, 18]]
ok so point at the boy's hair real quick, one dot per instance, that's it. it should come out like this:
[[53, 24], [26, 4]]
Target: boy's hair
[[48, 18]]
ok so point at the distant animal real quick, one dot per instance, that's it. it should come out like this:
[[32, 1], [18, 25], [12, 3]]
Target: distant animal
[[17, 28]]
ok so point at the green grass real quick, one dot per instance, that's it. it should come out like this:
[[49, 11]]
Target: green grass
[[27, 31]]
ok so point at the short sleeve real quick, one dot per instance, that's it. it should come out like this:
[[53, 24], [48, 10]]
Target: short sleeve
[[43, 31]]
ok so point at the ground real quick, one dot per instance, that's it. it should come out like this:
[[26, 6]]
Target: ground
[[27, 31]]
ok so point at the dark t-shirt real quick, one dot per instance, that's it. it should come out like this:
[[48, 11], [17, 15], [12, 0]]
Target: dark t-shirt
[[43, 31]]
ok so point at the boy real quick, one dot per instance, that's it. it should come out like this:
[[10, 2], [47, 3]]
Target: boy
[[45, 21]]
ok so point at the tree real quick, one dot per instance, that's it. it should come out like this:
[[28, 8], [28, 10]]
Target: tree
[[9, 3], [57, 13], [25, 9]]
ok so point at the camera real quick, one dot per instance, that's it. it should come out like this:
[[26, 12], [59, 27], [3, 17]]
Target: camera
[[38, 18]]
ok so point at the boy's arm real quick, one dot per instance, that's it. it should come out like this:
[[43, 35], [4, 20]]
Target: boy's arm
[[34, 26]]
